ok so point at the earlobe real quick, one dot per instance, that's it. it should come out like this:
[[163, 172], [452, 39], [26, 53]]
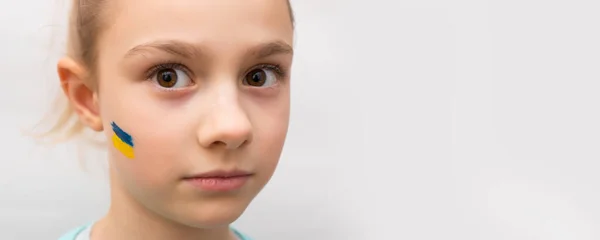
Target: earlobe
[[82, 97]]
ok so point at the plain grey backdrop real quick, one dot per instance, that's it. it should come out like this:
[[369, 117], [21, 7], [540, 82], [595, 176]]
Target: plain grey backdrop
[[428, 119]]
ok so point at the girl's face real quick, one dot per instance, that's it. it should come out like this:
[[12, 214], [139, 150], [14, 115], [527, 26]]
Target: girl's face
[[200, 86]]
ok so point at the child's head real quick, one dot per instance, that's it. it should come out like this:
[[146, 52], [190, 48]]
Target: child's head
[[182, 88]]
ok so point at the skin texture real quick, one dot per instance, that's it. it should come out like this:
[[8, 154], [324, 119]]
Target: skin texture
[[212, 120]]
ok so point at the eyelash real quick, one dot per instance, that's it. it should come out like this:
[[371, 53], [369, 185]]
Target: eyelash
[[274, 67], [168, 65], [176, 65]]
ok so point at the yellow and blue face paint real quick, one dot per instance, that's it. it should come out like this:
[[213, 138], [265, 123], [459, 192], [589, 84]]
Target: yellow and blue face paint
[[122, 141]]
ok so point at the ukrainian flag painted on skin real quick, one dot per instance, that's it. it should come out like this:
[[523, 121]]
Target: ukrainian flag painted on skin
[[122, 141]]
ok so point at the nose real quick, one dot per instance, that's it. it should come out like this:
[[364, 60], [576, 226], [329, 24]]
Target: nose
[[227, 125]]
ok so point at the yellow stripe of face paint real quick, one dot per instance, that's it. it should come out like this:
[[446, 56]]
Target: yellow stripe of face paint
[[122, 147]]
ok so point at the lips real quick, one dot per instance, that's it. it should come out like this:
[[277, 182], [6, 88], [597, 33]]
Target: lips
[[221, 174], [219, 181]]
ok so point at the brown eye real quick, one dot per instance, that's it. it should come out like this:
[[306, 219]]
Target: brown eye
[[172, 78], [256, 77], [261, 77], [166, 78]]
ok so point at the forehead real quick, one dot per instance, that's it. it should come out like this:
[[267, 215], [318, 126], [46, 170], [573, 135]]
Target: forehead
[[220, 23]]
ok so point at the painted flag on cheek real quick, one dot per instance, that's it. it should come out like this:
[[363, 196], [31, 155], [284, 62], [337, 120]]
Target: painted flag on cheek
[[122, 141]]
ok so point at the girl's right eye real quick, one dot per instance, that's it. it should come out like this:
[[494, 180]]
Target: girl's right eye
[[171, 78]]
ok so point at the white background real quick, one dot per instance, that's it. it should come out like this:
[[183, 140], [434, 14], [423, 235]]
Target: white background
[[423, 119]]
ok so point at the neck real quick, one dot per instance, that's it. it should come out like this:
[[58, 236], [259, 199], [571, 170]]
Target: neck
[[127, 219]]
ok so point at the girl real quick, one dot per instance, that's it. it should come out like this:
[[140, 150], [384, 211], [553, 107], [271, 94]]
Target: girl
[[193, 97]]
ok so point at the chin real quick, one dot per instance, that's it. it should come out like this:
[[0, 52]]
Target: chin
[[212, 214]]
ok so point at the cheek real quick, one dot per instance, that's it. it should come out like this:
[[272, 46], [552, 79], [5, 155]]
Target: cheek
[[159, 140], [270, 123], [268, 149], [154, 162], [164, 147]]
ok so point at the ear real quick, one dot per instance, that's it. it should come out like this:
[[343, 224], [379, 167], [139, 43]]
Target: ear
[[82, 98]]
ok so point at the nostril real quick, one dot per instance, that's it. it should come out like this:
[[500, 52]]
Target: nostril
[[219, 144], [227, 145]]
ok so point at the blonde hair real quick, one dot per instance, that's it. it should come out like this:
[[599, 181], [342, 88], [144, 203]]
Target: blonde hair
[[85, 22], [87, 17]]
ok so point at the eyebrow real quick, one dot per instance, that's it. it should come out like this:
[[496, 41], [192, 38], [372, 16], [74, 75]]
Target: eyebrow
[[178, 48], [187, 50], [272, 48]]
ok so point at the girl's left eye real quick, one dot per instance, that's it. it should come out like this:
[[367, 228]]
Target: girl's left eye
[[261, 77], [172, 78]]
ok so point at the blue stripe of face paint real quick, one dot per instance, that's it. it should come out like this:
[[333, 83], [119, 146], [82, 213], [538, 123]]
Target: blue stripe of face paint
[[126, 138]]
